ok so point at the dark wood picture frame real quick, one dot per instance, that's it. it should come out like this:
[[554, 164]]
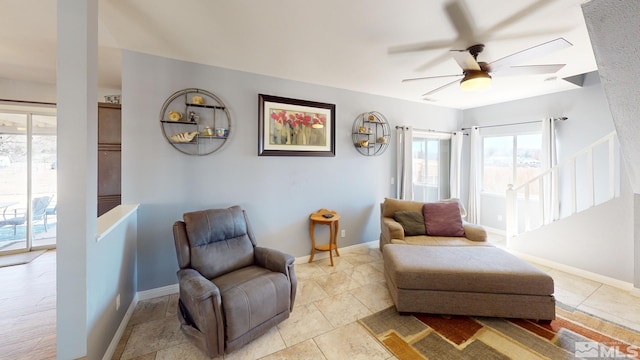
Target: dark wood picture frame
[[292, 127]]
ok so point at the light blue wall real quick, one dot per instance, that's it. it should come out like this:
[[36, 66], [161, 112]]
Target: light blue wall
[[278, 193], [111, 272]]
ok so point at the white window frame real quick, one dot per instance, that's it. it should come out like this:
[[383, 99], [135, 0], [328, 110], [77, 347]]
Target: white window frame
[[514, 167]]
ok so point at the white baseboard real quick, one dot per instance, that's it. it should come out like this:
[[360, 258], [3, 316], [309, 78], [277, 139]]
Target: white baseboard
[[157, 292], [319, 255], [113, 345], [139, 296], [578, 272]]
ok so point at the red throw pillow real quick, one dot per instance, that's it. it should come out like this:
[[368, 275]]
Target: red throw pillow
[[443, 219]]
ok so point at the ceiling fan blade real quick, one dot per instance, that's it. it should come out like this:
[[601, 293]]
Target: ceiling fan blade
[[461, 19], [429, 77], [465, 60], [444, 56], [420, 46], [439, 88], [531, 70], [528, 54], [526, 12]]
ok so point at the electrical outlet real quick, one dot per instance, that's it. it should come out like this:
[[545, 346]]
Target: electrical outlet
[[499, 217], [343, 233], [393, 180], [117, 302]]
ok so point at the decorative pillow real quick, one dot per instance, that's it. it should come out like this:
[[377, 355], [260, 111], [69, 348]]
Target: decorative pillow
[[412, 222], [443, 219]]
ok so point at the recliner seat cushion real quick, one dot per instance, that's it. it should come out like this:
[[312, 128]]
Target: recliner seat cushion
[[251, 296]]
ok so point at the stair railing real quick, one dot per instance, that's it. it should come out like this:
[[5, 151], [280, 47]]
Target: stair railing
[[548, 183]]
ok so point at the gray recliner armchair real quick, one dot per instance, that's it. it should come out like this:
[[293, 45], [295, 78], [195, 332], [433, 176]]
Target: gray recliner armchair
[[231, 290]]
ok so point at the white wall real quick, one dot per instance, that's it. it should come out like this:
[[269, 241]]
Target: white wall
[[599, 240], [588, 116], [613, 29], [39, 92], [588, 240], [278, 193]]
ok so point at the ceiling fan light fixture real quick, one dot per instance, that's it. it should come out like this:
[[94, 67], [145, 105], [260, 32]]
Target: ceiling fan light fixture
[[475, 80]]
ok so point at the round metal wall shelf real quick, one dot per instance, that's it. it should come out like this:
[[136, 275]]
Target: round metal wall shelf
[[195, 121], [370, 133]]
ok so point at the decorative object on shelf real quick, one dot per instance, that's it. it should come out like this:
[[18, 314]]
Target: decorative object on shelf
[[188, 119], [193, 117], [112, 99], [175, 116], [184, 137], [221, 132], [370, 133], [207, 131], [291, 127]]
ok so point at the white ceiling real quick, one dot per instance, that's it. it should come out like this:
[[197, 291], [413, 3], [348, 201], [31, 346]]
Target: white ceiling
[[351, 44]]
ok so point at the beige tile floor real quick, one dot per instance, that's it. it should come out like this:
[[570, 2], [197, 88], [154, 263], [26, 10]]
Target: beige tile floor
[[323, 324]]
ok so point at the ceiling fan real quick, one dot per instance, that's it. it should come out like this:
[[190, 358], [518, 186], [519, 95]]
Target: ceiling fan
[[476, 75]]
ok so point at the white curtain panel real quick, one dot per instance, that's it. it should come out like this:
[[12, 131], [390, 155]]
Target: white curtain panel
[[475, 174], [547, 161], [404, 163], [456, 159]]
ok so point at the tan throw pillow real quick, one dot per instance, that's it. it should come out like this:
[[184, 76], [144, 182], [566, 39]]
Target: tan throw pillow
[[443, 219], [412, 222]]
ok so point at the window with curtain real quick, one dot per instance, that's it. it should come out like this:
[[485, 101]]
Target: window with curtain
[[510, 159], [431, 164]]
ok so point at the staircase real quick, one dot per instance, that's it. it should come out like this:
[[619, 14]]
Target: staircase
[[590, 177]]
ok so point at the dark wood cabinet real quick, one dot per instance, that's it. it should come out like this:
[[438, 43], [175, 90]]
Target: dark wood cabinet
[[109, 156]]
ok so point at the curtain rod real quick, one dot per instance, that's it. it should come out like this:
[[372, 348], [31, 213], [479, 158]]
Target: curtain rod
[[428, 130], [563, 118]]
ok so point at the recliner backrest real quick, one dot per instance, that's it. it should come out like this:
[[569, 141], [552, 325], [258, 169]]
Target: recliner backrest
[[220, 241]]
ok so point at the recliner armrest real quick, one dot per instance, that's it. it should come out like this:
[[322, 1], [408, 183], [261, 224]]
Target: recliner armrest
[[474, 232], [197, 286], [273, 260], [278, 261]]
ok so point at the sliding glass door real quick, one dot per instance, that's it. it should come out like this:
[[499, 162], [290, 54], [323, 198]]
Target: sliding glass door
[[28, 180]]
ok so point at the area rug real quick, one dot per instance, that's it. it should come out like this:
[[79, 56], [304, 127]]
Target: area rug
[[572, 335], [19, 259]]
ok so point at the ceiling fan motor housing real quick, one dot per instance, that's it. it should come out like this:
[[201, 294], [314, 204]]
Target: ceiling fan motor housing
[[475, 80]]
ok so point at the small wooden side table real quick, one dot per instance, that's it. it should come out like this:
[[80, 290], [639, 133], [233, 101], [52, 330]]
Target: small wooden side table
[[318, 218]]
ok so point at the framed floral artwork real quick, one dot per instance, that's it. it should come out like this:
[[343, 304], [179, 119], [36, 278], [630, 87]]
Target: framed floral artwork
[[291, 127]]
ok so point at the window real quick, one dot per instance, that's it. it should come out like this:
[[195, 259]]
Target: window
[[510, 159], [430, 154]]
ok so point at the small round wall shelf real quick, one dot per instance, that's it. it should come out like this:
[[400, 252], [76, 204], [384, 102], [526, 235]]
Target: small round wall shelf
[[370, 133], [195, 121]]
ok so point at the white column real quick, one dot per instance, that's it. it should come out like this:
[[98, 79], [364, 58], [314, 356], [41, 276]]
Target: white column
[[77, 94]]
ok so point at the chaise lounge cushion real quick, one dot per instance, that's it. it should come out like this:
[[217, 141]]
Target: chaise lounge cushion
[[412, 222], [443, 219], [466, 269]]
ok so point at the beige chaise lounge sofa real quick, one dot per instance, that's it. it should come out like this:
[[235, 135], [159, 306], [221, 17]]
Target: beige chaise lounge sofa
[[459, 275], [393, 233]]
